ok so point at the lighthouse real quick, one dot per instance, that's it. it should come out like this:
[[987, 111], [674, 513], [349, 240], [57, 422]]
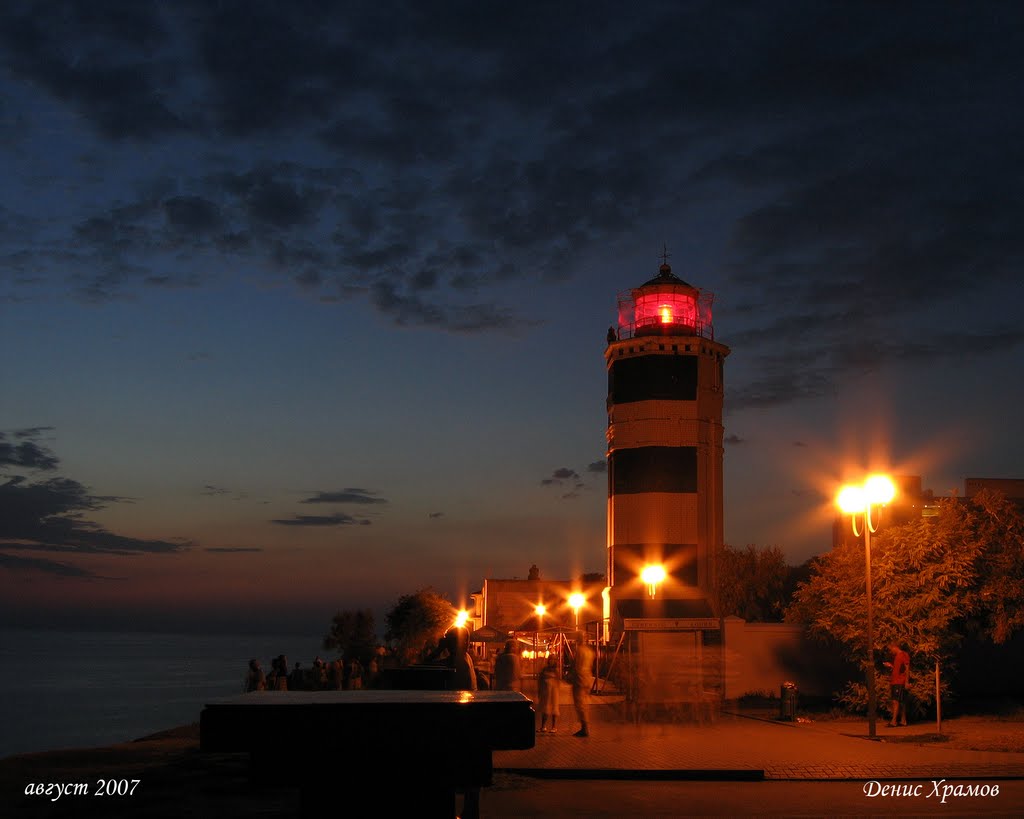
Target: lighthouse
[[665, 510]]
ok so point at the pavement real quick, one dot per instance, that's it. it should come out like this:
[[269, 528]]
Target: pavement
[[739, 746]]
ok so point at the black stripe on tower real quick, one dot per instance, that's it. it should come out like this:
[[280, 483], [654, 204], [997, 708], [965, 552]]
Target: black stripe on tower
[[627, 556], [652, 377], [652, 469]]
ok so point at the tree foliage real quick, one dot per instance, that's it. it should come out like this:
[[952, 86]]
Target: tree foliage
[[933, 580], [416, 622], [353, 633], [752, 583]]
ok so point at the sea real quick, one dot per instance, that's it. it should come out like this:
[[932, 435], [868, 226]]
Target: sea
[[68, 689]]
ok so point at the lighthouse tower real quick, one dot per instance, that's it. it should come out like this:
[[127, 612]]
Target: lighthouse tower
[[665, 389]]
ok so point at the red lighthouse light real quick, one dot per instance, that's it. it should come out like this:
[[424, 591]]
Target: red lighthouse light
[[665, 305]]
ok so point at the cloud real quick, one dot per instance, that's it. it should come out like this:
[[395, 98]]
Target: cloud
[[435, 515], [337, 519], [735, 439], [47, 515], [566, 475], [560, 475], [598, 466], [27, 453], [349, 495], [426, 167], [40, 564], [233, 549]]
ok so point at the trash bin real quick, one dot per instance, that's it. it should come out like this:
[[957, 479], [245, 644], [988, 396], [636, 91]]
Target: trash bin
[[787, 701]]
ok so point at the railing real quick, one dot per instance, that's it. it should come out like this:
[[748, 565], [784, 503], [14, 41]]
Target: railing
[[655, 327]]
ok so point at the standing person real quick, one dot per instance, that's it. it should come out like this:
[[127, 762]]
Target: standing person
[[508, 671], [582, 681], [454, 648], [898, 682], [547, 688], [255, 680]]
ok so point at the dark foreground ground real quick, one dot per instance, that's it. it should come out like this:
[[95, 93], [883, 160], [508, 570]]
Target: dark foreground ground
[[169, 777]]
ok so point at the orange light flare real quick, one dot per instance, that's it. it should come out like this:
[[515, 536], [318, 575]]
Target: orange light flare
[[461, 618], [652, 575], [853, 500], [666, 314], [576, 602]]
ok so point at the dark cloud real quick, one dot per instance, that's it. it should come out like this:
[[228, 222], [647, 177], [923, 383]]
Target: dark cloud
[[233, 549], [598, 466], [856, 164], [435, 515], [25, 452], [561, 475], [106, 61], [41, 564], [349, 495], [48, 513], [337, 519], [192, 214]]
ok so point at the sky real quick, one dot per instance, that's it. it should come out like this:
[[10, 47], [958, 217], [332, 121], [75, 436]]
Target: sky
[[303, 306]]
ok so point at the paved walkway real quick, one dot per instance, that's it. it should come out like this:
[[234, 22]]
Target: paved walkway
[[742, 748]]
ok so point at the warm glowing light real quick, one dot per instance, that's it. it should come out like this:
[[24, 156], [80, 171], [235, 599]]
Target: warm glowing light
[[851, 500], [576, 601], [666, 314], [461, 618], [879, 489], [540, 609], [652, 575], [854, 500]]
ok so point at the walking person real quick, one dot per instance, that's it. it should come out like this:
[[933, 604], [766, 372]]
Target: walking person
[[508, 672], [548, 682], [898, 682], [582, 681]]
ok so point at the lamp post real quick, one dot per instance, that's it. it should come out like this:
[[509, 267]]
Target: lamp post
[[540, 610], [855, 500], [576, 601]]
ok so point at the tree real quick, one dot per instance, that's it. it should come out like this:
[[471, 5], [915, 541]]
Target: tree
[[416, 623], [352, 633], [933, 580], [752, 582]]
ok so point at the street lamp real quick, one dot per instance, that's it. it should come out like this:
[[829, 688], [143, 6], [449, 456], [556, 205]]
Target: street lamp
[[854, 500], [652, 575], [576, 601]]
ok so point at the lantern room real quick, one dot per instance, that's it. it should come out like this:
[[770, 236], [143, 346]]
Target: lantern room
[[666, 305]]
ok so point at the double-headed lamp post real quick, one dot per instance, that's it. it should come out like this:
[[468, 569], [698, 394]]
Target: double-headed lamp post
[[855, 501]]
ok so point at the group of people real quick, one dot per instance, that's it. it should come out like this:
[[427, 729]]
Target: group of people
[[508, 676], [453, 650], [324, 675]]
